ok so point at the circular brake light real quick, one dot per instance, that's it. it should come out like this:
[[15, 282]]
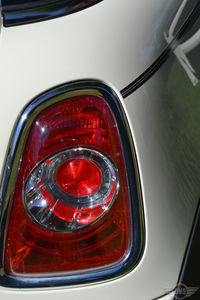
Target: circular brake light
[[70, 189], [79, 177]]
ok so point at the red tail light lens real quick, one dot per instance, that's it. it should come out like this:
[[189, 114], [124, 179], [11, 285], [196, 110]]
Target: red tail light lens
[[71, 207], [79, 177]]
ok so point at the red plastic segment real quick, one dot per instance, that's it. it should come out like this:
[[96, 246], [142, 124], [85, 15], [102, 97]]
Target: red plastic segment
[[79, 177]]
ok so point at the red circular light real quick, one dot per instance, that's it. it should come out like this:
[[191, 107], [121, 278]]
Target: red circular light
[[79, 177]]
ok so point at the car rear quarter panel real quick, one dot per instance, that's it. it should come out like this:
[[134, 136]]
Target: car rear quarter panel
[[108, 42]]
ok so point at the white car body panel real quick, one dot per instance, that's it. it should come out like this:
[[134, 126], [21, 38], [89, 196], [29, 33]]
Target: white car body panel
[[34, 58], [104, 42]]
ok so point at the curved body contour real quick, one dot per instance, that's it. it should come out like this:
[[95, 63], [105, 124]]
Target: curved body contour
[[115, 43]]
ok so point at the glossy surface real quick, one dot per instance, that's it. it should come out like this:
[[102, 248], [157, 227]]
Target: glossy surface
[[70, 208], [67, 60], [130, 225], [168, 152], [22, 12], [79, 177], [56, 239], [163, 116]]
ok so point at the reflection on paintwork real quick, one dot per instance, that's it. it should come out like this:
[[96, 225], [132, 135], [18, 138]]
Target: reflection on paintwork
[[164, 116], [23, 13], [171, 15], [183, 49], [178, 103], [155, 41]]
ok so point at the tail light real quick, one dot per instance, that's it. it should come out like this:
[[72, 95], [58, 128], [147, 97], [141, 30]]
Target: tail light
[[71, 202]]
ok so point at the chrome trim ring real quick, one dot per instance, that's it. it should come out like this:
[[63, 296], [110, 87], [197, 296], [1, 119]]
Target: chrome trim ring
[[38, 210]]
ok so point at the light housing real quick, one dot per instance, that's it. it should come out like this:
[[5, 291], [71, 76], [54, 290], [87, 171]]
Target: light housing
[[84, 118]]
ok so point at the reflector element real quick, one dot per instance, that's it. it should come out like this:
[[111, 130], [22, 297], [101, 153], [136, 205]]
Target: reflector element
[[79, 177], [70, 189]]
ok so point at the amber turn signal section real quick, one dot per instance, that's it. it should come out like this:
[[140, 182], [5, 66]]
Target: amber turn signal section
[[72, 162]]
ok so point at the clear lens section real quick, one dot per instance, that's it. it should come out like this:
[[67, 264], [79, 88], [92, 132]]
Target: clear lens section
[[71, 189]]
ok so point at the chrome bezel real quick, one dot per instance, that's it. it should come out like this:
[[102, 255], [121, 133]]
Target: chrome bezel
[[17, 143], [48, 173]]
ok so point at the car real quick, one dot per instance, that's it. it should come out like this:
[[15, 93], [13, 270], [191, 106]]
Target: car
[[100, 141]]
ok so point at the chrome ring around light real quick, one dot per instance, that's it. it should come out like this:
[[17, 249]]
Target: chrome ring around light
[[36, 206]]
